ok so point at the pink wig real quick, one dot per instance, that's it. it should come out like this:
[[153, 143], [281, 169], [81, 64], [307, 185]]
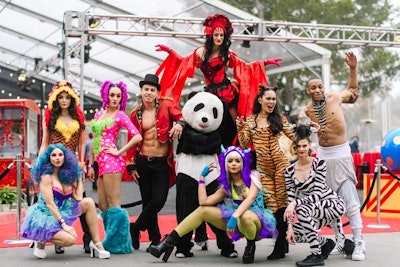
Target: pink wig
[[104, 90]]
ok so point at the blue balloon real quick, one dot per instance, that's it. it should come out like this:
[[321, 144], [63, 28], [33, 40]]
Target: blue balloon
[[390, 150]]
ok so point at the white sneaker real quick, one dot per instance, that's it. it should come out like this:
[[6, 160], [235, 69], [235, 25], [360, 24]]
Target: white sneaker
[[359, 250], [180, 255], [338, 249]]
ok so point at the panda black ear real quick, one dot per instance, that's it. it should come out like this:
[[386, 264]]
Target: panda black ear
[[191, 94]]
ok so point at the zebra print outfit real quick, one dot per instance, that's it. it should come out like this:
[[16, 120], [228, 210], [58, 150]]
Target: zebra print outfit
[[317, 205], [320, 113]]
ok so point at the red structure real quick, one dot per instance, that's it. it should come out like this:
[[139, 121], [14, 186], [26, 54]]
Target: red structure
[[20, 128]]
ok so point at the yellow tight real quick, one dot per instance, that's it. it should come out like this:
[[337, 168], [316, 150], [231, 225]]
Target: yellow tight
[[249, 224]]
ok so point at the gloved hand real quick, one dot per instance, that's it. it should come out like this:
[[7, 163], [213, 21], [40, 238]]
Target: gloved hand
[[232, 223], [273, 61], [161, 47], [205, 171]]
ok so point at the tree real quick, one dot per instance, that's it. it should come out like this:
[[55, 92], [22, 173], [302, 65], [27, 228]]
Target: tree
[[377, 65]]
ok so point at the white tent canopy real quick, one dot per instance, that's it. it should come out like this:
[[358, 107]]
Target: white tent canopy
[[32, 37]]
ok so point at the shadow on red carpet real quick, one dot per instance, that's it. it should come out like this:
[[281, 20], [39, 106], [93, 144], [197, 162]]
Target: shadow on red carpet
[[8, 228]]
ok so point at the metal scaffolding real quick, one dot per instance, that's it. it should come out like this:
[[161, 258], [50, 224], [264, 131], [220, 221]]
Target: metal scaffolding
[[79, 26]]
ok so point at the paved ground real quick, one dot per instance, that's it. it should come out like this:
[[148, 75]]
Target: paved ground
[[382, 250]]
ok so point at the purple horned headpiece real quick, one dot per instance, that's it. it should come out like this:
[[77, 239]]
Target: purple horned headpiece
[[105, 88], [224, 177]]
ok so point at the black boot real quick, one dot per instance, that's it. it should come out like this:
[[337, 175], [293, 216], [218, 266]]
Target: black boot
[[250, 249], [281, 245], [87, 237], [311, 260], [327, 248], [59, 249], [278, 252], [135, 235], [348, 248], [166, 246]]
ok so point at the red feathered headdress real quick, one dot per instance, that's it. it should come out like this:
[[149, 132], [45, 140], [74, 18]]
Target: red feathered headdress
[[217, 21]]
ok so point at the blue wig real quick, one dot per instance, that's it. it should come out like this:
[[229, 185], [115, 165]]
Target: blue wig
[[224, 177], [69, 172]]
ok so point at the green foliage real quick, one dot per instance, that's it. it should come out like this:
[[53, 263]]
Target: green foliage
[[377, 66], [8, 195]]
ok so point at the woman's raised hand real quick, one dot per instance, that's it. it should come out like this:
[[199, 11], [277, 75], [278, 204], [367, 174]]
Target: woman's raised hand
[[161, 47], [240, 123], [273, 61], [207, 169]]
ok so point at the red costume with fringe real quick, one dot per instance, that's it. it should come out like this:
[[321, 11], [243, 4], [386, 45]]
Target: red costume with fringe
[[248, 76]]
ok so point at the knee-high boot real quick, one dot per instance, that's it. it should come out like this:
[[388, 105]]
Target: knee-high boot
[[166, 246], [87, 237], [281, 245], [116, 226]]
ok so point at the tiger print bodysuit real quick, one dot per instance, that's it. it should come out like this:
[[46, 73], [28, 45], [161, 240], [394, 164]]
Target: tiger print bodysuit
[[271, 161], [318, 205]]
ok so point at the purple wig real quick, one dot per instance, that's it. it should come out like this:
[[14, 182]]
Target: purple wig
[[104, 90], [224, 177], [69, 172]]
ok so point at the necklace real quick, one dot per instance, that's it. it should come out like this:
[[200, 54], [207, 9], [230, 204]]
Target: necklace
[[139, 114], [320, 113], [239, 188]]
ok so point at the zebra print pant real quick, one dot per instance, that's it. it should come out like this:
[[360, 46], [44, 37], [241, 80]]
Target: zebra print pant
[[314, 216]]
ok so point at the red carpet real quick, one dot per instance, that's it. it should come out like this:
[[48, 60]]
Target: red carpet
[[8, 228]]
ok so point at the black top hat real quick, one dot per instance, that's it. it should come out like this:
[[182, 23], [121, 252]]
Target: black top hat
[[150, 79]]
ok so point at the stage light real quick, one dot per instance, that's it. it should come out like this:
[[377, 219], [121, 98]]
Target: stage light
[[249, 30], [86, 53], [246, 44], [93, 23], [21, 76]]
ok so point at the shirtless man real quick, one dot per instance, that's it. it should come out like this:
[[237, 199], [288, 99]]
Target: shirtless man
[[150, 163], [326, 109]]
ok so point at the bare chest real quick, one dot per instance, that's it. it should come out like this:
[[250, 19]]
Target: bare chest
[[148, 120]]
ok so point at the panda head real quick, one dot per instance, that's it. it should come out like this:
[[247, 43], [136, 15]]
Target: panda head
[[203, 112]]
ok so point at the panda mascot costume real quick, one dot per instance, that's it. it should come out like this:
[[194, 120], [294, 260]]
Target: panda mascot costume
[[199, 146]]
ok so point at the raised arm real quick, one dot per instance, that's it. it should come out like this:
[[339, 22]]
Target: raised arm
[[163, 48], [351, 94], [273, 61], [243, 132], [213, 199]]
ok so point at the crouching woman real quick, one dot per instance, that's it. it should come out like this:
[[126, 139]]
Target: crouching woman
[[241, 214], [60, 203]]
